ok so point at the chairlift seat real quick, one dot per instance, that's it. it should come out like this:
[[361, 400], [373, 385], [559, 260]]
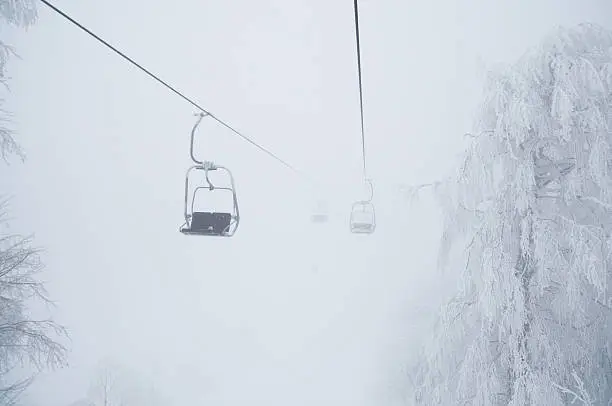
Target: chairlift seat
[[319, 218], [209, 223], [362, 227]]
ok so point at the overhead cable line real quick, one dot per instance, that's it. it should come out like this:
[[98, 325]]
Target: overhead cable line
[[363, 149], [169, 87]]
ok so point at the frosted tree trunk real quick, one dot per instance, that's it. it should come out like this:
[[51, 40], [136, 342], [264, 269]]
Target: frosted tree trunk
[[528, 231]]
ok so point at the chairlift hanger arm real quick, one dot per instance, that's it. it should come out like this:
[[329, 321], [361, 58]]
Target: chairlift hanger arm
[[369, 182], [200, 115]]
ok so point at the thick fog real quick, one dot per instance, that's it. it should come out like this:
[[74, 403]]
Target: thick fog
[[286, 311]]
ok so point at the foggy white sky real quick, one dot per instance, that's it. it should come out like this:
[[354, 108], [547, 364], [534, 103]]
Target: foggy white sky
[[282, 313]]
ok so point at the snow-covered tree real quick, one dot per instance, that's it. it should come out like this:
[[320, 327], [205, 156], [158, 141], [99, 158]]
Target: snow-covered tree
[[528, 234], [105, 390], [25, 341], [18, 13], [116, 385]]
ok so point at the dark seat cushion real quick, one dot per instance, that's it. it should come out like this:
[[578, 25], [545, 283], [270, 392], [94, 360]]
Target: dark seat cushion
[[210, 223]]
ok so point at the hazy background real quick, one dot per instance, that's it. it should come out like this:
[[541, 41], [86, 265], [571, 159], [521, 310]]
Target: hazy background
[[285, 312]]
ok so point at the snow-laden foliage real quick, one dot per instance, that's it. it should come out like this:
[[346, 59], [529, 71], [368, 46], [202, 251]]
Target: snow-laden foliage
[[529, 231], [19, 13]]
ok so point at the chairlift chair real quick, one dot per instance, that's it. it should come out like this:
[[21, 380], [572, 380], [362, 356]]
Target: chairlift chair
[[363, 215], [208, 223], [363, 218], [319, 218], [320, 214]]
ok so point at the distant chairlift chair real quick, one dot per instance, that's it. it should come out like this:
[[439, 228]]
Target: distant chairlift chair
[[320, 214], [363, 218], [363, 215]]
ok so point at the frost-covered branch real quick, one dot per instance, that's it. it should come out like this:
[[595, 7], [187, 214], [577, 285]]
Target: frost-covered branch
[[9, 395], [21, 13], [582, 394]]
